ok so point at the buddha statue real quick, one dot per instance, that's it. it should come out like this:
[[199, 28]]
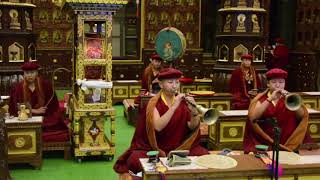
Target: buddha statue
[[242, 3], [227, 4], [256, 4], [28, 21], [0, 19], [227, 24], [255, 23], [23, 114], [241, 23], [14, 19]]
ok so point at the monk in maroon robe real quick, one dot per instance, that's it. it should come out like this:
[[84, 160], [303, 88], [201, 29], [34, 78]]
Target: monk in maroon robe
[[271, 104], [244, 83], [38, 93], [149, 80], [280, 55], [150, 73], [166, 124]]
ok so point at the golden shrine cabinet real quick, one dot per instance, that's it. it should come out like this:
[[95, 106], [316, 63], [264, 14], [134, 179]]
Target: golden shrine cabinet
[[91, 104], [25, 141]]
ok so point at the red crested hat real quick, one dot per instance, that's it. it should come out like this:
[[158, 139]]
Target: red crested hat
[[169, 73], [30, 65], [247, 56], [276, 73], [279, 40], [155, 56]]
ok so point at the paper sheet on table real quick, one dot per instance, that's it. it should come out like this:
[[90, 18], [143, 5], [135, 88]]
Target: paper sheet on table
[[312, 93], [184, 167], [311, 159]]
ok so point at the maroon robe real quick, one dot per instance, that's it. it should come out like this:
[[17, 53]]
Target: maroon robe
[[239, 88], [176, 135], [293, 131], [280, 58], [146, 83], [147, 78], [53, 126]]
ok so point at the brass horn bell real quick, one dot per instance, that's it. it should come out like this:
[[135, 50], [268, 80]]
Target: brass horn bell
[[210, 116], [293, 101]]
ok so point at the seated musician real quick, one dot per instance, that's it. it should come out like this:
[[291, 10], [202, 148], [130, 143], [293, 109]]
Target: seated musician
[[271, 104], [38, 93], [149, 80], [166, 123], [244, 83], [279, 55]]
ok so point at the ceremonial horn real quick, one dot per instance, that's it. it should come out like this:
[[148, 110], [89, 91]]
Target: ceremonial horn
[[293, 101]]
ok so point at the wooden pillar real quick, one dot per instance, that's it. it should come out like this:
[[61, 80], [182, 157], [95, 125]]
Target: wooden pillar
[[4, 171]]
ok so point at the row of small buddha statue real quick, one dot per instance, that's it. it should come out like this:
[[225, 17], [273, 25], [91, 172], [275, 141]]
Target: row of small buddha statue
[[242, 4], [241, 23], [14, 20]]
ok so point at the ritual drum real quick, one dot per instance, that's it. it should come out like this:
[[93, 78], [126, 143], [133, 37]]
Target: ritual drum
[[170, 44]]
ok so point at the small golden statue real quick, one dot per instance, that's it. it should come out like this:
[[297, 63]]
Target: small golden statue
[[152, 18], [190, 2], [227, 4], [255, 23], [44, 37], [256, 4], [23, 114], [189, 38], [242, 3], [28, 21], [165, 18], [57, 37], [151, 36], [227, 25], [153, 2], [166, 2], [14, 19], [0, 19], [177, 19], [190, 18], [241, 19], [178, 3]]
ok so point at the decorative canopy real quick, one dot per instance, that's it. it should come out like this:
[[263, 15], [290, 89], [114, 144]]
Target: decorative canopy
[[93, 5]]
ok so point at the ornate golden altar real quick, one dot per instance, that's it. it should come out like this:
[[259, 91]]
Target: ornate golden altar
[[91, 103]]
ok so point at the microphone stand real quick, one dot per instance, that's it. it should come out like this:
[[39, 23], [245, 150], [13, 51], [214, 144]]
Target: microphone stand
[[276, 146], [275, 150]]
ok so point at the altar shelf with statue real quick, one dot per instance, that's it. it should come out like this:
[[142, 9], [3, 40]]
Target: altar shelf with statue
[[91, 103]]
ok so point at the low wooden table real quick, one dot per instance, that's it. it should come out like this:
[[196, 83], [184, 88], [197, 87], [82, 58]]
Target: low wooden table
[[25, 141], [311, 99], [248, 167]]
